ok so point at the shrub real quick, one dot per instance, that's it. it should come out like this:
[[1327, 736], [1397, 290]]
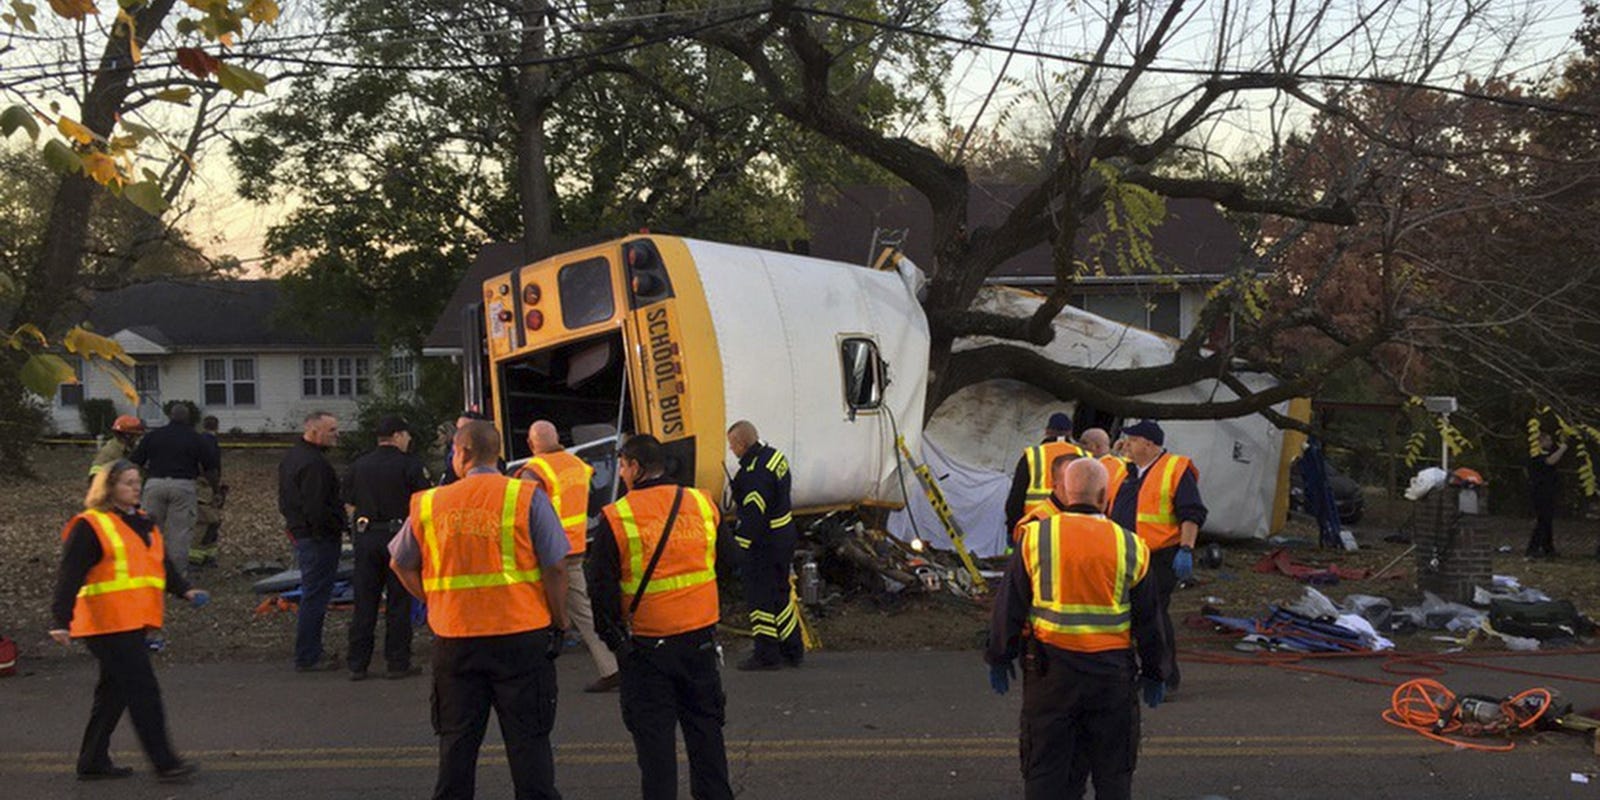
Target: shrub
[[194, 410], [97, 414], [423, 420]]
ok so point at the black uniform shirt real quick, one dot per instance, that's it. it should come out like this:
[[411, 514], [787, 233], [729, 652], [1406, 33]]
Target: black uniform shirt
[[82, 551], [177, 451], [381, 483], [1543, 478], [761, 491], [308, 493], [1015, 600]]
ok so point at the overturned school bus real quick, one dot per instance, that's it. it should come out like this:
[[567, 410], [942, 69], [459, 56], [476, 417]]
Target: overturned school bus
[[679, 338]]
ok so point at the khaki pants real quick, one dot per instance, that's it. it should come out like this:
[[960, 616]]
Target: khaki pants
[[583, 617], [171, 504]]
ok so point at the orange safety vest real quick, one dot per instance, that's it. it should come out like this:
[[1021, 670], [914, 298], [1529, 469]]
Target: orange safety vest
[[122, 591], [1082, 568], [1116, 473], [1158, 520], [682, 593], [480, 573], [1044, 509], [566, 480], [1041, 481]]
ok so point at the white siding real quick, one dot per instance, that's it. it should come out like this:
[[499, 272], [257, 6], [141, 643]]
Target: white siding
[[279, 406], [1191, 299]]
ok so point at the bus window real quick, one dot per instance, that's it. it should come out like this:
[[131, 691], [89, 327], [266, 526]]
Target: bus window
[[586, 296], [863, 374]]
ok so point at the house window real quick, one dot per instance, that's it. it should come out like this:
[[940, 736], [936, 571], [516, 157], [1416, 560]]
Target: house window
[[402, 374], [336, 376], [863, 374], [147, 379], [1156, 312], [72, 393], [229, 381]]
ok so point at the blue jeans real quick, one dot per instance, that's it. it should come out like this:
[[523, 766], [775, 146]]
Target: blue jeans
[[319, 562]]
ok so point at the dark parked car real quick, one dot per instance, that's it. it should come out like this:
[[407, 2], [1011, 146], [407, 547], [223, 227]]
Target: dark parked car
[[1346, 494]]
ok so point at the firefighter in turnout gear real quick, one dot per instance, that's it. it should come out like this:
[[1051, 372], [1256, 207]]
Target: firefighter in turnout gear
[[767, 535], [652, 573], [1031, 483], [1079, 607]]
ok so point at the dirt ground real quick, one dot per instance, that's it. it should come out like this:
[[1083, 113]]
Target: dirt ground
[[32, 512]]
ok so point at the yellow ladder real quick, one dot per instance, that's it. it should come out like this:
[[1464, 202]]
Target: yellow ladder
[[930, 487]]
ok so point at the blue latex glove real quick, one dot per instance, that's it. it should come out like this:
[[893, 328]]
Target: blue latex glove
[[199, 598], [1000, 676], [1183, 564], [1154, 692]]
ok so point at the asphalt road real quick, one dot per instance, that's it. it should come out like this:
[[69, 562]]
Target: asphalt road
[[877, 726]]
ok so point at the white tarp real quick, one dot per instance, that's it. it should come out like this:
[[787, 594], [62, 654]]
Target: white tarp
[[977, 497], [980, 431], [780, 322]]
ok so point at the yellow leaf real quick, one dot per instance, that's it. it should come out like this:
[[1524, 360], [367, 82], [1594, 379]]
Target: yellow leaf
[[80, 341], [101, 167], [73, 9], [132, 32], [74, 130], [261, 12], [120, 380], [30, 330]]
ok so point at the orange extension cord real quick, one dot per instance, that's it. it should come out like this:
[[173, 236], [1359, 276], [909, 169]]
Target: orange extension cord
[[1426, 707]]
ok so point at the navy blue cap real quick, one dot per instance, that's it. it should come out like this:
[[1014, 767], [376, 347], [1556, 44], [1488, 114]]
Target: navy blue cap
[[1147, 429], [1059, 422]]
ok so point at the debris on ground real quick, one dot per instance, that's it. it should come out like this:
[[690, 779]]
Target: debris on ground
[[853, 559], [1280, 561]]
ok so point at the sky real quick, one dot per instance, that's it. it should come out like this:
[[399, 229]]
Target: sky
[[988, 89]]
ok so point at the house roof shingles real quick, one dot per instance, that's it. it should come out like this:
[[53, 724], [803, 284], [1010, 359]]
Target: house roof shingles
[[1195, 238], [196, 315]]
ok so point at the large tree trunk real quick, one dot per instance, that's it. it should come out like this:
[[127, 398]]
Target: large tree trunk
[[49, 292], [531, 102]]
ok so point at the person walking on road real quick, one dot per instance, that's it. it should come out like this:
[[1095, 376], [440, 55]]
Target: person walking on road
[[378, 497], [211, 497], [565, 478], [114, 569], [1159, 500], [1030, 481], [308, 498], [1544, 487], [175, 455], [767, 534], [125, 433], [1078, 607], [487, 554], [653, 583]]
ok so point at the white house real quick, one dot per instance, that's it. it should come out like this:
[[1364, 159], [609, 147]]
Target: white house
[[233, 348]]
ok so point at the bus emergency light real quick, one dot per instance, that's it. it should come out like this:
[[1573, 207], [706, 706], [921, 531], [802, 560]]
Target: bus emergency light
[[535, 320]]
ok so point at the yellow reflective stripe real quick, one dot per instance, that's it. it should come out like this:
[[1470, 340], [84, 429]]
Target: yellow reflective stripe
[[575, 519], [106, 587], [755, 497], [781, 521], [630, 527], [1036, 480], [120, 580], [1166, 492], [772, 463], [430, 537], [1120, 588], [508, 527], [482, 581]]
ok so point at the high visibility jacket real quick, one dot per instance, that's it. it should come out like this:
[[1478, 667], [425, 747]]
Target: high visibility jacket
[[566, 479], [1158, 519], [480, 574], [1082, 569], [1116, 473], [1044, 509], [1041, 481], [122, 592], [682, 593]]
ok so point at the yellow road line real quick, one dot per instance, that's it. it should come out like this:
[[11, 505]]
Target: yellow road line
[[608, 753], [951, 744]]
